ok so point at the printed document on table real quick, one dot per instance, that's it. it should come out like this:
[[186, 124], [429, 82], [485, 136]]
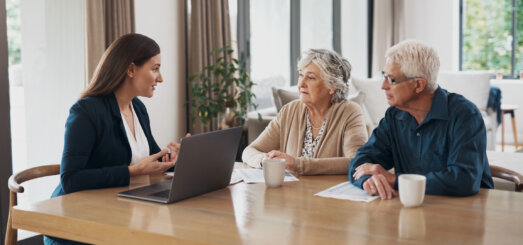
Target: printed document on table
[[346, 191], [236, 177], [256, 176]]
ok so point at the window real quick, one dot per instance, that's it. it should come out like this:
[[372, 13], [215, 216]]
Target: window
[[488, 42], [316, 24], [269, 47], [278, 31], [46, 75], [519, 31], [355, 40], [233, 13]]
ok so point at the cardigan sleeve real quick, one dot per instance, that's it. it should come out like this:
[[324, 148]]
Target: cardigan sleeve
[[80, 139], [354, 136], [267, 141]]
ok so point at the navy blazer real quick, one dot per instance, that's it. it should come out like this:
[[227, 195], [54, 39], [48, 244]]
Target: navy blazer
[[96, 149]]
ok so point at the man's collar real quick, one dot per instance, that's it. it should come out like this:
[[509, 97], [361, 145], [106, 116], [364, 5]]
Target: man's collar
[[438, 108]]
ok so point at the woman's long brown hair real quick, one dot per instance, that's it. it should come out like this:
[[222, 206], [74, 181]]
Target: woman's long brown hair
[[112, 68]]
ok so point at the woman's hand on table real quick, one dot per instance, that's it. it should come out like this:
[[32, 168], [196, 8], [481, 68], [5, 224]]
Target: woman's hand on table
[[289, 160]]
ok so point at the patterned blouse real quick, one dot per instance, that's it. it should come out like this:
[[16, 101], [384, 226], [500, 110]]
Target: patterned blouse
[[309, 144]]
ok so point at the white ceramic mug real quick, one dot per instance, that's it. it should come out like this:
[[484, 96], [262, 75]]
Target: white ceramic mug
[[273, 171], [412, 189]]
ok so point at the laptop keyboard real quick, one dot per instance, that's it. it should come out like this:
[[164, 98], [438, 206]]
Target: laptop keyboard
[[164, 194]]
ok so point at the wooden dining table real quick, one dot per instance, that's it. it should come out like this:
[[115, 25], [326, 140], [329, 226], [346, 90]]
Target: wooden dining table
[[254, 214]]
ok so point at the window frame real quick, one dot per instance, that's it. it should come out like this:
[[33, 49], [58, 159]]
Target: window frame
[[5, 124], [243, 34]]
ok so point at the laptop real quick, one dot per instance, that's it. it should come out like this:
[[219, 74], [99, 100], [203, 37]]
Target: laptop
[[205, 163]]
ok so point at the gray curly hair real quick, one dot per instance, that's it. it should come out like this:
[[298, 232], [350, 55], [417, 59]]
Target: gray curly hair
[[334, 69]]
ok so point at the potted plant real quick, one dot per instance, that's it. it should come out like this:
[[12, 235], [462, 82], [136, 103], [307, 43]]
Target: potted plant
[[221, 91]]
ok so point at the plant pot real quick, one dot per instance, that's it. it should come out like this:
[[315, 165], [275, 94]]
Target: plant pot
[[227, 119]]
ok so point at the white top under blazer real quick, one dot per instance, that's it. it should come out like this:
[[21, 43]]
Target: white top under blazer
[[139, 146]]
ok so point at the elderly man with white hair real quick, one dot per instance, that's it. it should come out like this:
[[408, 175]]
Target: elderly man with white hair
[[426, 130], [321, 132]]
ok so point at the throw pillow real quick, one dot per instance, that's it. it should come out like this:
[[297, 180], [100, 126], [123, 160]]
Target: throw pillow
[[282, 96], [287, 96], [276, 98], [375, 101], [357, 97]]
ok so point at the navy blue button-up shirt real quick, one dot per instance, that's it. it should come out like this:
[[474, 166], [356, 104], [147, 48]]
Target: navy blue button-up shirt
[[448, 147]]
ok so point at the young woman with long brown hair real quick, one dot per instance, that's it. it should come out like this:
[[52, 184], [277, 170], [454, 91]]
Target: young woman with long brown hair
[[108, 136]]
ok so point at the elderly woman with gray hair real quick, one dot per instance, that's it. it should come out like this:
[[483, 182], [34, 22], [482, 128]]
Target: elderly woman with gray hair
[[321, 132]]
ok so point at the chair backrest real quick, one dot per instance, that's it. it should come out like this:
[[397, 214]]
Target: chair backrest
[[14, 182], [509, 175]]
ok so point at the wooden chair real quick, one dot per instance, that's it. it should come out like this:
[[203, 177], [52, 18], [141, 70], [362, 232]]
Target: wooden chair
[[11, 235], [509, 175]]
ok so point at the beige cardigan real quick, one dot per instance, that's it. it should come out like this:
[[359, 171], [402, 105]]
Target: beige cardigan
[[344, 134]]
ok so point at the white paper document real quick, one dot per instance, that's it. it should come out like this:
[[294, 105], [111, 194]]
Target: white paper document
[[236, 177], [256, 176], [346, 191]]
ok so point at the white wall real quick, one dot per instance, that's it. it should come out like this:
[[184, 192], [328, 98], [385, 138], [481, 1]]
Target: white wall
[[437, 24], [163, 21]]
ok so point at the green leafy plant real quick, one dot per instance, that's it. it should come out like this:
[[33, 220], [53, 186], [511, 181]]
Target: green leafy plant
[[224, 84]]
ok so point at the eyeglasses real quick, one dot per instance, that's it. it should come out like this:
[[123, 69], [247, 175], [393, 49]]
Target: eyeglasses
[[395, 81]]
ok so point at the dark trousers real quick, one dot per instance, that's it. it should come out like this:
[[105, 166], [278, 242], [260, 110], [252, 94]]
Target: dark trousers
[[58, 241]]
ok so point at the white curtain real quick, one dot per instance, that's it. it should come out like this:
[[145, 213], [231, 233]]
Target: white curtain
[[388, 29]]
